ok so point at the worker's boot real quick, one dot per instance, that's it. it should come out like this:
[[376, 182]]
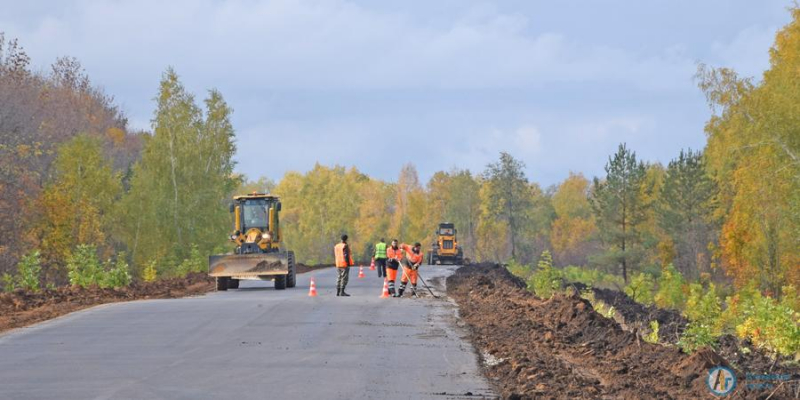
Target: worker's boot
[[391, 292], [338, 292], [344, 294], [400, 292], [414, 291]]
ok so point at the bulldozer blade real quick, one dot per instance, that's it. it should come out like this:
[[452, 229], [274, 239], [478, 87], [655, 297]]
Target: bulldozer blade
[[248, 265]]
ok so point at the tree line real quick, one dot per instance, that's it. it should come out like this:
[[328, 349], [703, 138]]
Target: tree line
[[74, 174], [82, 192]]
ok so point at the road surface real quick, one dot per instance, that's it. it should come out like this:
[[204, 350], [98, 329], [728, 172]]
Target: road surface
[[251, 343]]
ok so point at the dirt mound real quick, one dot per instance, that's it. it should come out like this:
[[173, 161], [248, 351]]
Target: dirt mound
[[562, 348], [671, 323], [302, 268], [21, 308]]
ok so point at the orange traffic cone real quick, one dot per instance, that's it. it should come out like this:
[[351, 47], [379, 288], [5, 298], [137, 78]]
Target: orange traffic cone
[[372, 265], [361, 271], [312, 289], [385, 293]]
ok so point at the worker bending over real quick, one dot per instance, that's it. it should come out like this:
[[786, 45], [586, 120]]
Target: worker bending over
[[393, 256], [411, 262]]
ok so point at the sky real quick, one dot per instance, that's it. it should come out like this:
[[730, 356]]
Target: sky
[[440, 84]]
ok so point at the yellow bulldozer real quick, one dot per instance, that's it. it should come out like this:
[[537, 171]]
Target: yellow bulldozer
[[258, 254], [445, 248]]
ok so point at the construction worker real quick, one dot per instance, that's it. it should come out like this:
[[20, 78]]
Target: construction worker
[[380, 257], [344, 260], [411, 262], [394, 254]]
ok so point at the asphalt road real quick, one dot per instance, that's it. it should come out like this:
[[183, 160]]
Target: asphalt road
[[251, 343]]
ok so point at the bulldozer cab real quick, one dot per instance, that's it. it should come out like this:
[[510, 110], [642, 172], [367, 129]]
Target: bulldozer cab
[[256, 223]]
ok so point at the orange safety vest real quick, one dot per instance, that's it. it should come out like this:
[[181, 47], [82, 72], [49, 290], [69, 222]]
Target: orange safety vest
[[394, 254], [412, 257], [338, 252]]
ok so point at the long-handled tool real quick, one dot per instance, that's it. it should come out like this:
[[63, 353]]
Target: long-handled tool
[[426, 285], [420, 278]]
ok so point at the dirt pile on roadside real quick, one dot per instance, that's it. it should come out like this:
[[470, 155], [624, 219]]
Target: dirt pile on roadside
[[636, 316], [21, 308], [562, 348], [302, 268]]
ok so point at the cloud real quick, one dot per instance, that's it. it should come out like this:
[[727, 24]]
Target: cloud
[[335, 44], [451, 84]]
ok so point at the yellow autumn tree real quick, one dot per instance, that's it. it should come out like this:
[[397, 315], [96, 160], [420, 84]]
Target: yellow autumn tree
[[573, 229], [754, 152]]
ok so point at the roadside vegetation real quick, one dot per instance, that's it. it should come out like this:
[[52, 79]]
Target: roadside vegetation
[[714, 234]]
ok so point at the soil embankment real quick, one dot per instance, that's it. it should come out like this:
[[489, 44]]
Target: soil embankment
[[562, 348]]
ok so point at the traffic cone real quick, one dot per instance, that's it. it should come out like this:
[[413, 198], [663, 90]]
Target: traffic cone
[[361, 271], [312, 288], [385, 293], [372, 265]]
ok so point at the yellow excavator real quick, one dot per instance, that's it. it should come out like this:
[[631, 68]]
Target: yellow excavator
[[258, 254], [445, 248]]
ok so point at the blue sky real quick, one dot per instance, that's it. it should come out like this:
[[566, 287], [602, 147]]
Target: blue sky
[[441, 84]]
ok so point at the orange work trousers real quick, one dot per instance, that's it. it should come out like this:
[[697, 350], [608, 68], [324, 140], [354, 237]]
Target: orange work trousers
[[391, 274], [409, 274]]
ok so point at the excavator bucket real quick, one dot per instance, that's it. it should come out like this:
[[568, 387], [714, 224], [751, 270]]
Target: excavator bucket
[[248, 265]]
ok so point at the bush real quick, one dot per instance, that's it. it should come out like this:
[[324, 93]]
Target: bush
[[697, 334], [149, 273], [83, 267], [640, 289], [9, 283], [652, 337], [771, 325], [703, 309], [670, 289], [601, 307], [521, 270], [116, 275], [547, 280], [29, 270], [703, 304], [195, 263], [592, 277]]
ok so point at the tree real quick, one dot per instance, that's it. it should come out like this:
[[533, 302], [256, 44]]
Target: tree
[[753, 152], [318, 208], [685, 210], [39, 112], [507, 196], [78, 204], [180, 188], [261, 185], [407, 190], [619, 207], [574, 227]]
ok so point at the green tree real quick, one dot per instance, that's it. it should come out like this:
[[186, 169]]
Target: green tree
[[508, 197], [78, 204], [685, 211], [455, 197], [181, 187], [620, 209]]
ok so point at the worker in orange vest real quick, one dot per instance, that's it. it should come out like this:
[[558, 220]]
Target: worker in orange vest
[[411, 262], [393, 256], [344, 260]]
